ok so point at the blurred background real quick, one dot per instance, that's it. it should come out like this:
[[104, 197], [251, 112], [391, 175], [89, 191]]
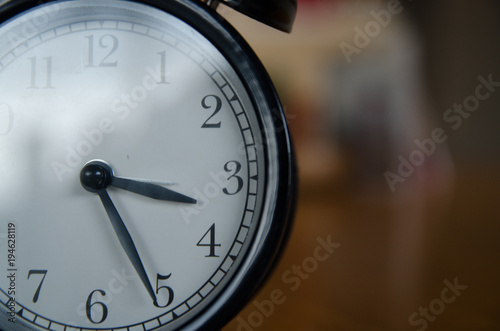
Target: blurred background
[[394, 110]]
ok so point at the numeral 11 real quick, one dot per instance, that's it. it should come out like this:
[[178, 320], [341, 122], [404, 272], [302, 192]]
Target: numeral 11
[[35, 71]]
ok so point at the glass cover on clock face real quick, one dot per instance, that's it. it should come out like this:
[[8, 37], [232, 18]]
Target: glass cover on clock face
[[130, 169]]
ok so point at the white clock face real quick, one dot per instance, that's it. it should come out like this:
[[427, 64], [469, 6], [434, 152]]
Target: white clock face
[[139, 91]]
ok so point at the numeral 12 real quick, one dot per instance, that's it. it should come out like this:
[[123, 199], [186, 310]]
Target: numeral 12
[[105, 42]]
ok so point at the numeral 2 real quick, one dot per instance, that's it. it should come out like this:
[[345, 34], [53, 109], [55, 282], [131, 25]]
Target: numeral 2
[[209, 124]]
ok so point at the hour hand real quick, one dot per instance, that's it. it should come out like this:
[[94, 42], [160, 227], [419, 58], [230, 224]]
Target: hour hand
[[98, 174], [150, 190]]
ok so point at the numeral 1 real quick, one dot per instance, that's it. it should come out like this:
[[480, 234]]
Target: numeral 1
[[6, 119], [163, 67], [35, 71]]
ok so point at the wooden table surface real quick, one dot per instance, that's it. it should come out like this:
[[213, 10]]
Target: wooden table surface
[[392, 258]]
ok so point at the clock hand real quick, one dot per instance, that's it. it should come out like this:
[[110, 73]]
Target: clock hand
[[152, 181], [150, 190], [126, 241], [96, 176], [140, 186]]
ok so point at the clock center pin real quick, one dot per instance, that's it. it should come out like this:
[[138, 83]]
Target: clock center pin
[[96, 175]]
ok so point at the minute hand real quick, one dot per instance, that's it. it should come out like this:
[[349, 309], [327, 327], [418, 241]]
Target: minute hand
[[150, 190], [126, 241]]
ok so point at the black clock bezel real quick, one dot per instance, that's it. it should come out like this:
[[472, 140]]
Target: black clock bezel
[[252, 273]]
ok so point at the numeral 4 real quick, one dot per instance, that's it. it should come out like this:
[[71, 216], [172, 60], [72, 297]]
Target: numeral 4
[[211, 241]]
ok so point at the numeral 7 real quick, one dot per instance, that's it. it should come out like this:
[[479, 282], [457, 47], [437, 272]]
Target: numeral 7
[[37, 272]]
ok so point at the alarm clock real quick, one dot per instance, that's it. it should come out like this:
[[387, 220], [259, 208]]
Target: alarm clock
[[147, 175]]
